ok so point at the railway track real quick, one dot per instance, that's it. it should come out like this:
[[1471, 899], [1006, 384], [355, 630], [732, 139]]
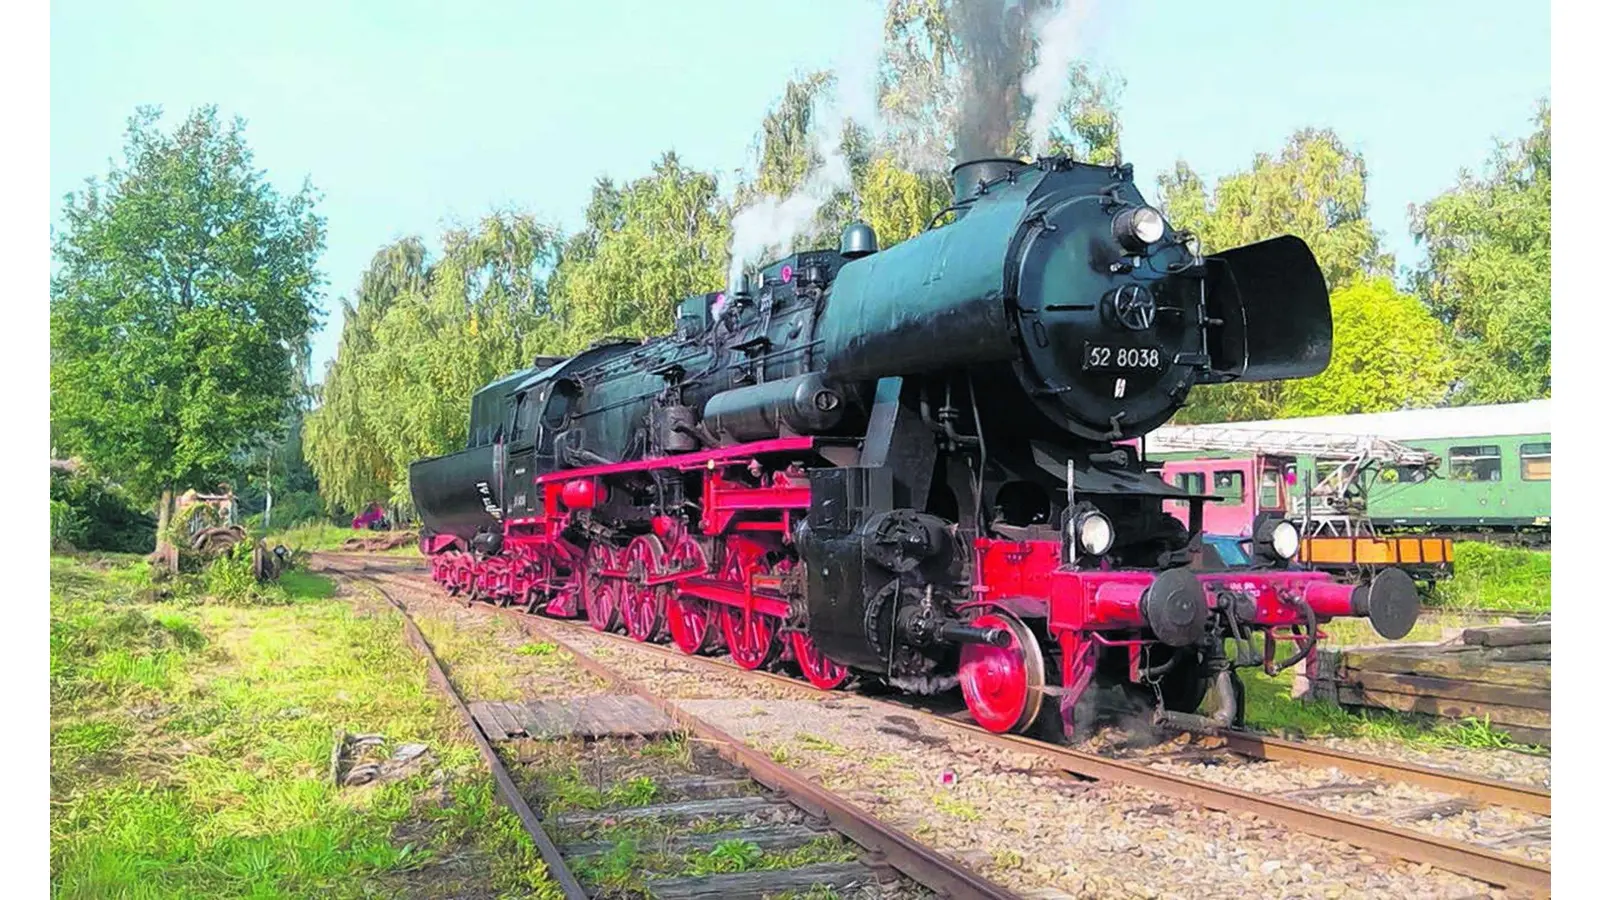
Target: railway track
[[790, 814], [1189, 775]]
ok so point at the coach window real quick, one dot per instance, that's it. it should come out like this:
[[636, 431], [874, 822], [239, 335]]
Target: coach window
[[1535, 462], [1475, 463], [1191, 482], [1229, 485]]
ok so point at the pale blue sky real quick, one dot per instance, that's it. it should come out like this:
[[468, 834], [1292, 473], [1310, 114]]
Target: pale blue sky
[[409, 116]]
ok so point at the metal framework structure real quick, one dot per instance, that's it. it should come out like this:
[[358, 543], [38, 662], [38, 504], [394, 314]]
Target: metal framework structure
[[1330, 504]]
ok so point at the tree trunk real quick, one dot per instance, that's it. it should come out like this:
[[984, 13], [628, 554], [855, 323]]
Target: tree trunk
[[166, 554]]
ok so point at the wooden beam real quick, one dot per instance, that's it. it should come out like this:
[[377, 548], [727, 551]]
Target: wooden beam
[[1473, 691]]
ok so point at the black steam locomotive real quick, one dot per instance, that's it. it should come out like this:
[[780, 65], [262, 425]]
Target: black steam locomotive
[[919, 466]]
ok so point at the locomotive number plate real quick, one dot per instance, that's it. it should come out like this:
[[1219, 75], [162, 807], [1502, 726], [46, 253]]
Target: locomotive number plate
[[1100, 358]]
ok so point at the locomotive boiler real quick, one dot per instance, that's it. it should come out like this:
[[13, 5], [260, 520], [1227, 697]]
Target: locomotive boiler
[[920, 465]]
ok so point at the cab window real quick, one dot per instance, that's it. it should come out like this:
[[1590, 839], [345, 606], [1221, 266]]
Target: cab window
[[1269, 494], [522, 427], [555, 411], [1229, 485], [1190, 482], [1475, 463], [1536, 462]]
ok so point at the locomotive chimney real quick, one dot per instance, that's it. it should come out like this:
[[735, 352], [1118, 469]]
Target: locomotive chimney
[[974, 175]]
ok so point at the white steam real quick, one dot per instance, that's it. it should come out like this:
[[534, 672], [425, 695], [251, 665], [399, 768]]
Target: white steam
[[1046, 84], [769, 226]]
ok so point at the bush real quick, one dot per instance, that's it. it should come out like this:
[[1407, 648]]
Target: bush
[[293, 508], [230, 579], [89, 513]]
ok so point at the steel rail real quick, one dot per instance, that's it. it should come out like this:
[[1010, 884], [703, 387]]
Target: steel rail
[[1482, 863], [1527, 798], [886, 845], [506, 787]]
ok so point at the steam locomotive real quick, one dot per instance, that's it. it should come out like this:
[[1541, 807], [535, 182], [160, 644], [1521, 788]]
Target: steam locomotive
[[920, 467]]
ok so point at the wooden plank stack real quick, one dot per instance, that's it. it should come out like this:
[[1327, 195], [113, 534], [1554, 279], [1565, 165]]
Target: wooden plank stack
[[1500, 674]]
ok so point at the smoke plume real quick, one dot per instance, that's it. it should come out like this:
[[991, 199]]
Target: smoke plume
[[1046, 84], [769, 226], [994, 39]]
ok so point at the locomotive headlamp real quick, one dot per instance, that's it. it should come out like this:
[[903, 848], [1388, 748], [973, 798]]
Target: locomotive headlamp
[[1285, 540], [1138, 228], [1095, 533]]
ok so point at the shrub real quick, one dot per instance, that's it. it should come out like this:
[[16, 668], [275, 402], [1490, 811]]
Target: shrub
[[89, 513]]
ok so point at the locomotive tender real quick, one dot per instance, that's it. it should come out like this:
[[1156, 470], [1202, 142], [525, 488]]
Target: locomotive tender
[[918, 466]]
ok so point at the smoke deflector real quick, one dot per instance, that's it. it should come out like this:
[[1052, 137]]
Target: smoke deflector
[[1272, 302]]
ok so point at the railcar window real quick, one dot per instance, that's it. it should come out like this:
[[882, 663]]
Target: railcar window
[[1536, 462], [1191, 482], [1268, 495], [1475, 463], [1403, 474], [1229, 485]]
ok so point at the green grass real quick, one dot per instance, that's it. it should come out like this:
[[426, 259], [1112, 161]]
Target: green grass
[[1489, 576], [190, 743], [567, 789], [1269, 707], [487, 658], [744, 856], [953, 807]]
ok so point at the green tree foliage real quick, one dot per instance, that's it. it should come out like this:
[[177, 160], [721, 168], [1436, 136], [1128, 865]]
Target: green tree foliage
[[422, 336], [183, 304], [341, 443], [786, 148], [1315, 189], [1389, 353], [1487, 273], [899, 203], [646, 246]]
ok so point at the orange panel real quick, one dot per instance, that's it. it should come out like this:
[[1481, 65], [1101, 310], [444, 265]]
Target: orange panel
[[1373, 552]]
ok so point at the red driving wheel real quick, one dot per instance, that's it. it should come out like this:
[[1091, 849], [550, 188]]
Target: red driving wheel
[[644, 605], [821, 671], [1003, 686], [689, 618], [599, 592], [751, 639]]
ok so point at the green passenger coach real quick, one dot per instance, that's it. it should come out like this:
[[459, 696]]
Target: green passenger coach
[[1493, 474]]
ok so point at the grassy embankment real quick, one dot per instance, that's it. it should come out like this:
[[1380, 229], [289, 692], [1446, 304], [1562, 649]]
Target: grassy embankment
[[310, 537], [190, 745], [1488, 576]]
